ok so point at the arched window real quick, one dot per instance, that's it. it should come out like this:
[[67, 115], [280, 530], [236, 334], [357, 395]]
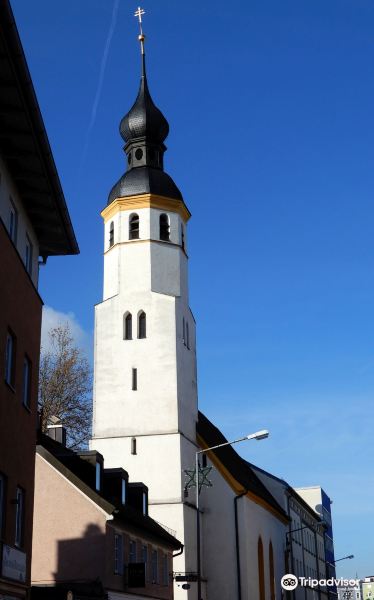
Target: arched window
[[271, 572], [182, 237], [134, 227], [261, 571], [127, 326], [164, 228], [111, 234], [142, 325]]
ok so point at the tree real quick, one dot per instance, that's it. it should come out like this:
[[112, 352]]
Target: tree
[[65, 386]]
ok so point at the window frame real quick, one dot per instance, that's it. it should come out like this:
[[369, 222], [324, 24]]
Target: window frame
[[111, 234], [142, 325], [134, 227], [28, 255], [164, 227], [10, 359], [26, 382], [127, 326], [20, 517], [118, 554], [13, 222]]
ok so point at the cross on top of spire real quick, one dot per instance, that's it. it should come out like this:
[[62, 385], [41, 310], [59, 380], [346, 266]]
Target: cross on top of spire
[[138, 13]]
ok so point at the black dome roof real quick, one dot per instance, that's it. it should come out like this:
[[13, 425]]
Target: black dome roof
[[144, 119], [145, 180]]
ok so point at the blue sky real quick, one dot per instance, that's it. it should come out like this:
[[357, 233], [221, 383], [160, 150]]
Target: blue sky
[[270, 106]]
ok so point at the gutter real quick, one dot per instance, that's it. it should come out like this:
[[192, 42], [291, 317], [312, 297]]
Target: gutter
[[237, 544], [180, 551]]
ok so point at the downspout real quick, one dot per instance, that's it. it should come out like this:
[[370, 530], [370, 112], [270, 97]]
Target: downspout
[[180, 551], [237, 545]]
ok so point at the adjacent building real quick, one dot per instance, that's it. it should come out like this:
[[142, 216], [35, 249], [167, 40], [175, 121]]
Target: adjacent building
[[320, 502], [93, 537], [34, 224]]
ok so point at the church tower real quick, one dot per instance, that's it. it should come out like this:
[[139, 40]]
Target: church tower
[[145, 390]]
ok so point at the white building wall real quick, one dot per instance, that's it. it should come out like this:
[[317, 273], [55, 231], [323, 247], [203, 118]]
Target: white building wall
[[9, 195]]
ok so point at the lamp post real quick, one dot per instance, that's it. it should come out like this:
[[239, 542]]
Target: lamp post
[[259, 435], [344, 558]]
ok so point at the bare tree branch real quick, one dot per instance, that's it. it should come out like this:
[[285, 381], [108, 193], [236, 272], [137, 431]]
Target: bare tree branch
[[65, 387]]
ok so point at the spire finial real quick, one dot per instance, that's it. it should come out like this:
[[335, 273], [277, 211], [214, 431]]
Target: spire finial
[[141, 37]]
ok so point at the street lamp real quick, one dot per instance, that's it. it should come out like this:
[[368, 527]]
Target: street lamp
[[259, 435], [344, 558]]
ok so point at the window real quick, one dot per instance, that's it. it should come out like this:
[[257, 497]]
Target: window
[[133, 445], [145, 559], [13, 222], [154, 567], [187, 336], [28, 255], [2, 504], [164, 228], [182, 237], [20, 502], [184, 332], [98, 477], [123, 491], [261, 570], [142, 325], [10, 359], [165, 570], [118, 554], [127, 326], [132, 551], [134, 227], [134, 380], [145, 508], [26, 382], [111, 234]]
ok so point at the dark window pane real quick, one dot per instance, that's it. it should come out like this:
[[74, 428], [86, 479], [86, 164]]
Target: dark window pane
[[142, 326], [127, 327], [164, 228], [134, 227]]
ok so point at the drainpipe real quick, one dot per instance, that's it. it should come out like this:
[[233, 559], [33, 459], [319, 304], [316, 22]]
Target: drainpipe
[[180, 551], [237, 546]]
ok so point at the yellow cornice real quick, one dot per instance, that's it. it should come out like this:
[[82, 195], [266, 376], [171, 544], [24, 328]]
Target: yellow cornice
[[236, 486], [146, 201]]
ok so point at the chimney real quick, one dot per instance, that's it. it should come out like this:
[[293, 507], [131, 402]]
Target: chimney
[[57, 433]]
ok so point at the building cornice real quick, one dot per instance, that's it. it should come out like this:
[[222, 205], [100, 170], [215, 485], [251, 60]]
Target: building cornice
[[146, 201]]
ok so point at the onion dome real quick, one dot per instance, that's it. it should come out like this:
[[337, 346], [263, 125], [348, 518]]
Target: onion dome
[[144, 130], [144, 119]]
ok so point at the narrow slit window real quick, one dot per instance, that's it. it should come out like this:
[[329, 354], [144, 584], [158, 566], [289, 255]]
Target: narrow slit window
[[182, 237], [134, 227], [184, 332], [142, 325], [134, 379], [187, 336], [164, 228], [127, 327], [111, 234], [133, 446]]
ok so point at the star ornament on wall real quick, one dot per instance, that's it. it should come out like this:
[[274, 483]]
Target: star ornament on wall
[[202, 478]]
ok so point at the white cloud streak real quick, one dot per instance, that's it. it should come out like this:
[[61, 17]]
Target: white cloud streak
[[53, 318]]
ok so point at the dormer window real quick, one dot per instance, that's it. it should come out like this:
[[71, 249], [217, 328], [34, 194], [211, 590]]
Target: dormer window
[[145, 508], [134, 227], [164, 228], [123, 491], [98, 477]]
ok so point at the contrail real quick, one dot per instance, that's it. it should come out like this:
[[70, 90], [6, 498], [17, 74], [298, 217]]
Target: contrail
[[101, 77]]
